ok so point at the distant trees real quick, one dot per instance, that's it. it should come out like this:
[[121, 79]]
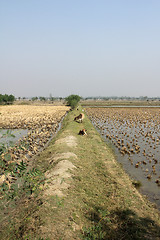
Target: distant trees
[[73, 100], [51, 98], [6, 99], [39, 98], [42, 98], [34, 98]]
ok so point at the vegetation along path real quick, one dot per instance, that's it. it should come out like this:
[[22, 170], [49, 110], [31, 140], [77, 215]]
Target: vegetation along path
[[85, 193]]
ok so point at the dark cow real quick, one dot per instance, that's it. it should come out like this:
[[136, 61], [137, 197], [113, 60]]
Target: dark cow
[[82, 132], [79, 118]]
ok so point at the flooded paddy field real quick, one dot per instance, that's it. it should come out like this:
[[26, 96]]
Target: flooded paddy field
[[24, 131], [9, 137], [134, 134]]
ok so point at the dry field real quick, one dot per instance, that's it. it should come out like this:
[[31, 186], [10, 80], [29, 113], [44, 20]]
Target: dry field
[[41, 122], [30, 117], [119, 102], [135, 132]]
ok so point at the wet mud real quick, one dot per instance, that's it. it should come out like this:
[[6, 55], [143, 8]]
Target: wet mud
[[134, 135]]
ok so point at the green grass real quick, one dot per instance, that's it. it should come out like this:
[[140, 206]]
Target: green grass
[[137, 184]]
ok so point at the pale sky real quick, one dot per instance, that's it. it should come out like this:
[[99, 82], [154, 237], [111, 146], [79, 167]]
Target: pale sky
[[85, 47]]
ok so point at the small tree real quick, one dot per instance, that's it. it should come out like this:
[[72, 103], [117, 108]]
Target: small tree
[[51, 98], [73, 100], [42, 98], [34, 98], [6, 99], [1, 98], [11, 98]]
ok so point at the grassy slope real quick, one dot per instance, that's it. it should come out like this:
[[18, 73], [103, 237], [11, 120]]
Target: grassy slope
[[100, 203]]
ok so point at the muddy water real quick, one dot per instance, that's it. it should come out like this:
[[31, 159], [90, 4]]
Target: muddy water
[[9, 137], [135, 138]]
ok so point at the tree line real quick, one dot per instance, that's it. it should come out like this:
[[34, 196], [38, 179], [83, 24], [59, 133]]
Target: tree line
[[6, 99]]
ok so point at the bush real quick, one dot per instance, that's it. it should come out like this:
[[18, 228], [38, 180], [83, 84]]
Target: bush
[[6, 99], [34, 98], [73, 100]]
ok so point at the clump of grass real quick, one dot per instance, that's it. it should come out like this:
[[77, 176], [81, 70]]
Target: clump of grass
[[94, 232], [120, 224], [137, 184], [26, 184]]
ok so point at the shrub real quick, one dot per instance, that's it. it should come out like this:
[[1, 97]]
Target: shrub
[[34, 98], [73, 100], [6, 99]]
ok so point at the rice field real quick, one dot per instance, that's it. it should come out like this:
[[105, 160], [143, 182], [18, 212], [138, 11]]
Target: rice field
[[134, 134], [38, 123]]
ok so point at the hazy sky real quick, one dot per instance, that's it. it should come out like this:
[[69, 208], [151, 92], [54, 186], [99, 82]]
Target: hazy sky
[[85, 47]]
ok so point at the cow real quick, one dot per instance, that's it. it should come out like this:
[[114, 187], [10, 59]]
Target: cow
[[79, 118], [82, 132]]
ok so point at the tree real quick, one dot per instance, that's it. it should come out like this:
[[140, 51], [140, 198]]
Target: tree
[[73, 100], [34, 98], [51, 98], [42, 98], [6, 99], [11, 98], [1, 98]]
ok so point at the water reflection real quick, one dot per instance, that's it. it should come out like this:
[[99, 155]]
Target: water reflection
[[10, 136], [135, 137]]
